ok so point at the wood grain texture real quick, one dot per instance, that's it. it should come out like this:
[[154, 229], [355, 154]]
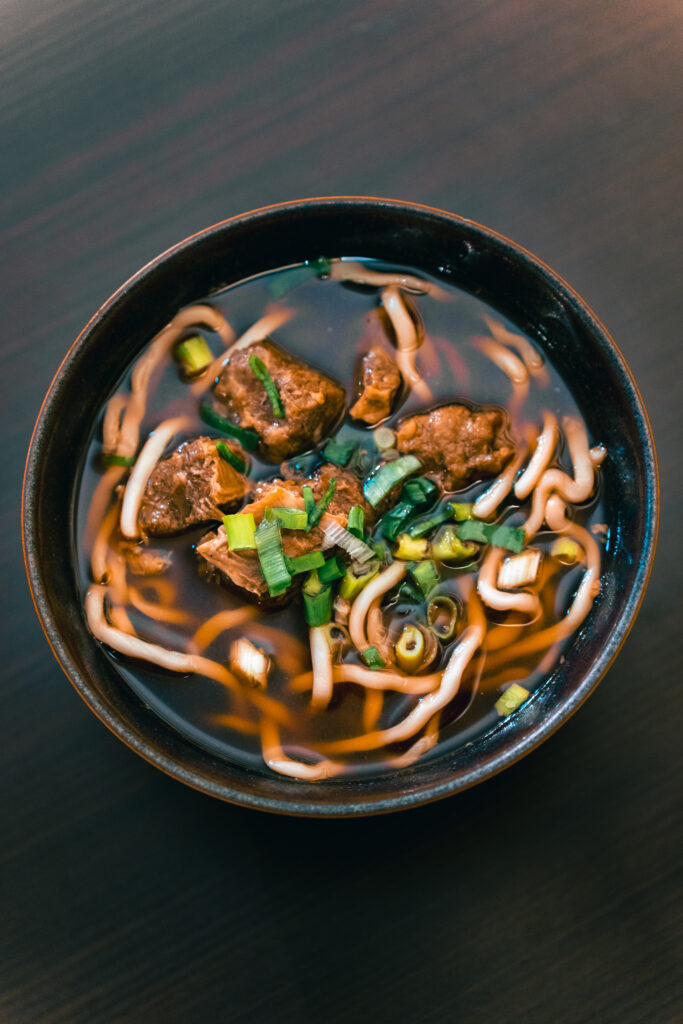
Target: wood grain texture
[[550, 894]]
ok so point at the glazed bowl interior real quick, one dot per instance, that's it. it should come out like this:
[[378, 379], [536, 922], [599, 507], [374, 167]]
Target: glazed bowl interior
[[465, 255]]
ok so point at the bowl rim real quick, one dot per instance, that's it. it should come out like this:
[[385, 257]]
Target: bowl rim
[[472, 775]]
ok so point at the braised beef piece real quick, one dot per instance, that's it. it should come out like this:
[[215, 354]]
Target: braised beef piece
[[312, 402], [379, 383], [193, 485], [456, 444], [242, 569]]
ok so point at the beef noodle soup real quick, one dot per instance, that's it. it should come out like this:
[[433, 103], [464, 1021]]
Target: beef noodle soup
[[337, 518]]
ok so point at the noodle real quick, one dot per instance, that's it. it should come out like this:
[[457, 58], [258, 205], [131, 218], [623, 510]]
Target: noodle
[[156, 611], [374, 590], [349, 270], [372, 708], [371, 679], [489, 501], [277, 760], [151, 452], [540, 460], [499, 599], [511, 365], [576, 489], [321, 660], [532, 359], [217, 624], [407, 341]]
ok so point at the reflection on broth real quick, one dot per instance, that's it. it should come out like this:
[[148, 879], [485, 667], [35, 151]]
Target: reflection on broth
[[337, 518]]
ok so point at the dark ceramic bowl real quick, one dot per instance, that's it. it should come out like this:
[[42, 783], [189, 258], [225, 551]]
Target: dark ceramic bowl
[[462, 253]]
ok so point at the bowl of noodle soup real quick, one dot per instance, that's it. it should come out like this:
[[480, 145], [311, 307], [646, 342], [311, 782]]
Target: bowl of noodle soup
[[418, 514]]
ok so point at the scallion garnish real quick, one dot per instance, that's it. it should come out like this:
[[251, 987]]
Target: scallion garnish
[[411, 549], [419, 491], [332, 570], [321, 265], [377, 486], [356, 521], [421, 527], [395, 520], [259, 369], [510, 537], [512, 698], [338, 452], [239, 529], [272, 558], [287, 518], [305, 563], [372, 658], [249, 439], [351, 585], [461, 510], [111, 459], [194, 354], [321, 506], [309, 500], [425, 575], [231, 457], [318, 607]]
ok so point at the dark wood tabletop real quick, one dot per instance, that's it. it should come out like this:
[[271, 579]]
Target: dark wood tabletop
[[552, 892]]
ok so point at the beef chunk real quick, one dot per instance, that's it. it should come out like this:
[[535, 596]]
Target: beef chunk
[[379, 382], [193, 485], [242, 568], [456, 444], [312, 401]]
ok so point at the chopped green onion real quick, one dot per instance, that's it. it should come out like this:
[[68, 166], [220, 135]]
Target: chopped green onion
[[410, 648], [111, 459], [409, 549], [566, 550], [384, 437], [395, 520], [425, 575], [272, 557], [419, 491], [288, 518], [318, 607], [448, 547], [239, 529], [511, 699], [372, 658], [510, 537], [442, 616], [249, 439], [461, 510], [304, 563], [421, 527], [194, 354], [309, 501], [259, 369], [409, 592], [231, 457], [321, 506], [332, 570], [377, 486], [338, 453], [313, 584], [351, 585], [321, 265], [356, 521]]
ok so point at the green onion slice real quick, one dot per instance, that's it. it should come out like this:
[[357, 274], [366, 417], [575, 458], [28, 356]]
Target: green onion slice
[[339, 453], [377, 486], [288, 518], [321, 506], [318, 607], [421, 527], [372, 658], [249, 439], [356, 521], [426, 575], [239, 529], [510, 537], [194, 354], [259, 369], [305, 563], [272, 558], [232, 458], [332, 570], [419, 491], [111, 459]]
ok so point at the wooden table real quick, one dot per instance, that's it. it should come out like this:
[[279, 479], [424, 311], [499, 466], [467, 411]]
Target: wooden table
[[548, 894]]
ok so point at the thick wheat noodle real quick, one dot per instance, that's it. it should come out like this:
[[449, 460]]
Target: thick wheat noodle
[[159, 349], [152, 451], [259, 330], [100, 501], [291, 654], [501, 600], [238, 723], [532, 359], [371, 679], [277, 760], [511, 365], [489, 501], [372, 708], [111, 424], [377, 633], [416, 750], [576, 489], [160, 612], [374, 590], [321, 661], [407, 341], [503, 635], [116, 576], [451, 677], [585, 595], [218, 623], [349, 270], [164, 589], [540, 460], [597, 454], [98, 556]]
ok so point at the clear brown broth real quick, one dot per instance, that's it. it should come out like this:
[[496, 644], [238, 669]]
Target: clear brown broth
[[329, 331]]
